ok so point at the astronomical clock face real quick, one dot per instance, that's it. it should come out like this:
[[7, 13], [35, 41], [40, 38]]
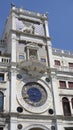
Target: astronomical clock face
[[34, 97], [34, 94]]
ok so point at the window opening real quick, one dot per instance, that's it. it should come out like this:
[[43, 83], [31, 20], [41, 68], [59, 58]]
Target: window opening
[[57, 62], [70, 84], [0, 53], [1, 77], [43, 59], [21, 56], [70, 64], [66, 107], [32, 54], [72, 102], [36, 128], [1, 101], [69, 128], [62, 84]]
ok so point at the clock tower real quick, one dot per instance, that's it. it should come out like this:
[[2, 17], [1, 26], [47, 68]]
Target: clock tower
[[36, 80], [31, 100]]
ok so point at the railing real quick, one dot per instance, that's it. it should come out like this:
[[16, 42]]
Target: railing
[[2, 43], [4, 59], [59, 51], [28, 12], [64, 68]]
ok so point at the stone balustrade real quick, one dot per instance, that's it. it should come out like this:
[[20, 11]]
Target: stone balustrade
[[59, 51]]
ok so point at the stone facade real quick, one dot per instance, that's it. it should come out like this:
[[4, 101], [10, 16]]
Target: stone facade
[[36, 80]]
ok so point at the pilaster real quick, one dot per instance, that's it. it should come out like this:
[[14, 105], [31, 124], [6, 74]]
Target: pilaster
[[50, 57], [59, 125], [13, 19], [46, 28], [13, 123], [13, 48], [49, 45], [13, 73], [56, 94], [13, 90]]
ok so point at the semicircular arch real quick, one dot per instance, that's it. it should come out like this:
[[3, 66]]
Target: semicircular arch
[[36, 127]]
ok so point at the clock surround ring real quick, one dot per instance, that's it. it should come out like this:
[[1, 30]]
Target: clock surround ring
[[31, 108]]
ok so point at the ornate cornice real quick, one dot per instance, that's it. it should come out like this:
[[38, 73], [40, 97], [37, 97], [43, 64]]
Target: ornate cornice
[[36, 116], [30, 35]]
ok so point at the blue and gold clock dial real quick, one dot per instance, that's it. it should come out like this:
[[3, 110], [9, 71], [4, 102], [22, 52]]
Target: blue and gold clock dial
[[34, 94]]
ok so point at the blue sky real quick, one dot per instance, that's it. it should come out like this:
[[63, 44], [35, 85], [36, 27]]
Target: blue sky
[[60, 15]]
